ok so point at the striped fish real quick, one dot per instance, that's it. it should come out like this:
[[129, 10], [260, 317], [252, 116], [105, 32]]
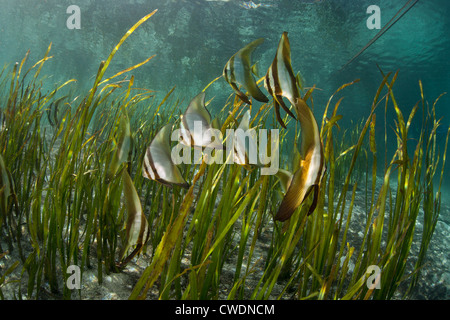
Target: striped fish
[[158, 164], [306, 178], [197, 129], [137, 226], [53, 111], [238, 70], [280, 80]]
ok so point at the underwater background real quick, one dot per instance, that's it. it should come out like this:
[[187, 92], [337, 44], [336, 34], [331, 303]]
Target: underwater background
[[193, 40]]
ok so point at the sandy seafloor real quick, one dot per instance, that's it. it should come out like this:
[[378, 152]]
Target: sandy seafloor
[[434, 282]]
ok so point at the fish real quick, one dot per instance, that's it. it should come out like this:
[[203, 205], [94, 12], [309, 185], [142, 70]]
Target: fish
[[238, 70], [197, 129], [53, 111], [311, 166], [158, 164], [137, 233], [280, 80]]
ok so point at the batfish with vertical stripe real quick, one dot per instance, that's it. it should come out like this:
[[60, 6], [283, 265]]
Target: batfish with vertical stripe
[[196, 126], [137, 225], [307, 177], [238, 70], [158, 164], [280, 80]]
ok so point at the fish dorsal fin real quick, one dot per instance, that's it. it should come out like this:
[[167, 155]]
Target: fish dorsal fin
[[250, 84], [246, 52], [245, 73], [197, 107], [197, 128], [245, 121], [158, 164]]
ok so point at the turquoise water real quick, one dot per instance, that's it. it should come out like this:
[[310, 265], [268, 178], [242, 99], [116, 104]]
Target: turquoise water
[[193, 39]]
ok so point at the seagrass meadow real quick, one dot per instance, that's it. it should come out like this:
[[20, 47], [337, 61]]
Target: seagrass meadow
[[93, 206]]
